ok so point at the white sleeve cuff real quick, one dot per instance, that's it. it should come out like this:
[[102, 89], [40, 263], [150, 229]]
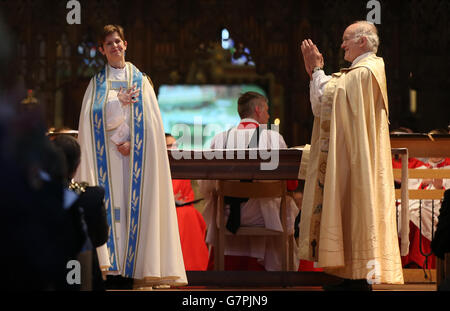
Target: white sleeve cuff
[[318, 73]]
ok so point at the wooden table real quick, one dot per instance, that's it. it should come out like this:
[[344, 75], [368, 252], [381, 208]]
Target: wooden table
[[237, 164], [233, 164]]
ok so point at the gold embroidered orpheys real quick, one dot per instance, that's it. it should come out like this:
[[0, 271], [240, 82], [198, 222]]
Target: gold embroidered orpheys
[[324, 139]]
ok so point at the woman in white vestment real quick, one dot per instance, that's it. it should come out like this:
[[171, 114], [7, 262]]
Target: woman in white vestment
[[123, 150]]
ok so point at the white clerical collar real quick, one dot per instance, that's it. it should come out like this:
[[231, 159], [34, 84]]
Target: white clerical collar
[[360, 57], [113, 69], [117, 73]]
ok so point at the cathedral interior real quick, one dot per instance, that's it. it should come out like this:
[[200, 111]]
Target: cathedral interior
[[182, 43], [49, 53]]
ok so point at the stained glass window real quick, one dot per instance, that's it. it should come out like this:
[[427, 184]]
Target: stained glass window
[[63, 53], [91, 59], [240, 54]]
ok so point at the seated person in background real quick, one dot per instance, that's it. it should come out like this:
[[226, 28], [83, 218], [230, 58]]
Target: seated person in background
[[413, 163], [421, 212], [191, 225], [427, 216], [85, 204], [413, 258], [248, 252]]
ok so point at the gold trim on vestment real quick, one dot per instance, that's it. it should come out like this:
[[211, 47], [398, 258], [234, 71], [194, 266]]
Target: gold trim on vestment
[[153, 281], [324, 139]]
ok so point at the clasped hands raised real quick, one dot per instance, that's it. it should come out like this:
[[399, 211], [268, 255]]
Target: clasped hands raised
[[311, 56]]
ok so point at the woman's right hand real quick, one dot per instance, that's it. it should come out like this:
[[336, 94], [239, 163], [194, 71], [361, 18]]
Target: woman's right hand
[[129, 96]]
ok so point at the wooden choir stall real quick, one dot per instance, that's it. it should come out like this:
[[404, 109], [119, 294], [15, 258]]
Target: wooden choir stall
[[420, 145]]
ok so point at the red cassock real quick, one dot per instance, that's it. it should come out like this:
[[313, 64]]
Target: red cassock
[[412, 163], [415, 255], [192, 228]]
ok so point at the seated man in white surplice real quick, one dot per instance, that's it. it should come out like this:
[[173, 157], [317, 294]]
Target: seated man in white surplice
[[261, 252]]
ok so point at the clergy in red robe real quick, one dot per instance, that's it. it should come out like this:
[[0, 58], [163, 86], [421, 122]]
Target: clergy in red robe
[[424, 216]]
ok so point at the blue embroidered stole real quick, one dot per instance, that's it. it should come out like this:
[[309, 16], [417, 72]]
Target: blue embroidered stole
[[103, 169]]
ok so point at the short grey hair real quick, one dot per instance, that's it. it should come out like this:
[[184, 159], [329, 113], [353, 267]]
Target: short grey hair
[[368, 30]]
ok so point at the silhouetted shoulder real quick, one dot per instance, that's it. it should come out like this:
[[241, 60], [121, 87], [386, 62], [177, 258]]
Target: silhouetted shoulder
[[91, 201]]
